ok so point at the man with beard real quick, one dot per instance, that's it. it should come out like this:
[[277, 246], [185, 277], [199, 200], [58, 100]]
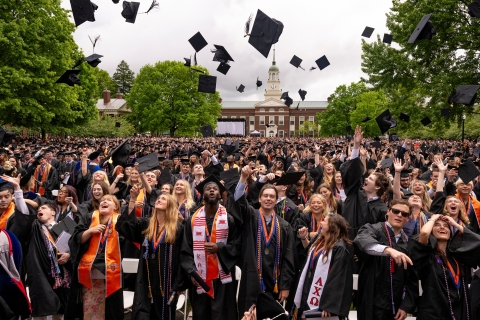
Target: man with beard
[[211, 248]]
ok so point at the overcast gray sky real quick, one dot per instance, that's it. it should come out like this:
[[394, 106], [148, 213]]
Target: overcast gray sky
[[312, 28]]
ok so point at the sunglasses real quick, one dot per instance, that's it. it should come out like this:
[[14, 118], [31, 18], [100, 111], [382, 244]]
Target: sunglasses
[[404, 213]]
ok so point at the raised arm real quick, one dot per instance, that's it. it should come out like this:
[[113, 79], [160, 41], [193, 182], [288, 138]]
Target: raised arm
[[441, 175], [397, 163]]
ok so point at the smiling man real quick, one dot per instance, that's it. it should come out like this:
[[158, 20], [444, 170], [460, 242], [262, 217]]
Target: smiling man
[[385, 288]]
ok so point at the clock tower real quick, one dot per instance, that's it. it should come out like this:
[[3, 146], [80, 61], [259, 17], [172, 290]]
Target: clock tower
[[273, 83]]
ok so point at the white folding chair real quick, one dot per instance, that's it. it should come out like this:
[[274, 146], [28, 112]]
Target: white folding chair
[[129, 265], [238, 276]]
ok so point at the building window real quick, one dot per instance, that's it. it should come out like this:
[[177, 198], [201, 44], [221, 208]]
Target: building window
[[234, 117], [292, 120], [262, 133], [280, 120], [271, 120], [242, 117], [301, 120], [224, 117], [262, 110], [311, 118], [280, 110], [252, 120], [280, 133], [262, 120], [271, 110], [292, 133]]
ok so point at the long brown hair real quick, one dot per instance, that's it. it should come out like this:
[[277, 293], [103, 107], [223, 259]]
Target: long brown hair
[[171, 219], [306, 184], [105, 190], [338, 230], [331, 199]]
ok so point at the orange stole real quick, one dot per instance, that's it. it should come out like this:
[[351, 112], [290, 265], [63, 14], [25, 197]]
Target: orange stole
[[475, 204], [112, 258], [46, 173], [4, 217]]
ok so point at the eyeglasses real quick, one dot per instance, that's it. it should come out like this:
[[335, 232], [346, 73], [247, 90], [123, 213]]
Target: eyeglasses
[[404, 213], [63, 191]]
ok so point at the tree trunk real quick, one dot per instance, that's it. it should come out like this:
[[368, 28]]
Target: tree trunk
[[172, 132], [44, 134]]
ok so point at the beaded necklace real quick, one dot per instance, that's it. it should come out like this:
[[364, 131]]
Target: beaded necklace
[[313, 224], [266, 237]]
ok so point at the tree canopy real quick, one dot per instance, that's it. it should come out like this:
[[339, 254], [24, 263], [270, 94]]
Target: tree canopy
[[104, 127], [165, 98], [36, 48], [124, 78], [104, 81]]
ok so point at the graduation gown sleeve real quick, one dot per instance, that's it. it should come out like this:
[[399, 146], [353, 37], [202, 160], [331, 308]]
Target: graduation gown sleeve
[[229, 252]]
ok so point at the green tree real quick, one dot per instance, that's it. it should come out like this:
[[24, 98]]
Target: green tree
[[165, 97], [104, 81], [36, 48], [308, 128], [336, 117], [104, 127], [124, 77], [371, 103]]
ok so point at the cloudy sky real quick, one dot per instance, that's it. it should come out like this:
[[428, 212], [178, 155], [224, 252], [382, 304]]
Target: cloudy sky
[[313, 28]]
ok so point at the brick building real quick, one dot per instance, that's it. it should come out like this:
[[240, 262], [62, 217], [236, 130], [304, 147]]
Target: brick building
[[282, 120]]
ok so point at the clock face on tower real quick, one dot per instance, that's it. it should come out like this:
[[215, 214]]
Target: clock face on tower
[[273, 86]]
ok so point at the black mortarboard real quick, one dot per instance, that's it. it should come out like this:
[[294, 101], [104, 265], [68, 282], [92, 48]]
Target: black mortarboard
[[121, 153], [393, 137], [426, 121], [221, 54], [296, 61], [66, 225], [241, 88], [94, 155], [208, 180], [207, 83], [387, 38], [198, 42], [147, 162], [367, 33], [385, 121], [258, 83], [70, 77], [223, 68], [302, 94], [423, 30], [465, 94], [265, 33], [288, 100], [467, 171], [376, 144], [130, 10], [445, 112], [405, 173], [117, 124], [404, 117], [322, 63], [387, 163], [367, 118], [93, 60], [165, 177], [290, 178], [5, 136], [284, 95], [207, 131], [269, 308], [230, 177], [83, 10], [474, 9]]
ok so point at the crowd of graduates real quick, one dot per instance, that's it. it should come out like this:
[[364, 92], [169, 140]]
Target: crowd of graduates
[[299, 218]]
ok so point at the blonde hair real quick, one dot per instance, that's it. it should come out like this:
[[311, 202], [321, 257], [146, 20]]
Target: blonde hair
[[460, 181], [171, 219], [129, 180], [426, 200], [105, 179], [326, 212], [462, 214], [114, 199], [188, 194]]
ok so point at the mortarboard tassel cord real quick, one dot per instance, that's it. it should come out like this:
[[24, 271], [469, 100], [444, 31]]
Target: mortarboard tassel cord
[[94, 41], [247, 25], [154, 4], [312, 68]]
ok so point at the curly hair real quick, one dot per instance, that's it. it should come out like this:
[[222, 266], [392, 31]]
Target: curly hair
[[383, 183]]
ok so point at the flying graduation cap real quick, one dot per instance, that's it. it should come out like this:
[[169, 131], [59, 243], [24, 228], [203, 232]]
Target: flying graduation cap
[[367, 118], [367, 33], [465, 94], [188, 63], [83, 10], [426, 121], [404, 117], [302, 94], [322, 63], [223, 68], [296, 61], [70, 77], [423, 30], [265, 32], [474, 9], [387, 38], [93, 60], [130, 10], [207, 84], [288, 100], [241, 88], [445, 112], [258, 83], [385, 121], [222, 56]]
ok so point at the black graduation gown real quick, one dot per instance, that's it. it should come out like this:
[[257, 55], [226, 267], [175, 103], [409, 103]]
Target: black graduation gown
[[374, 289], [465, 248], [357, 210], [113, 303], [45, 300], [51, 183], [223, 306], [304, 220], [68, 167], [291, 211], [337, 290], [131, 228], [250, 285]]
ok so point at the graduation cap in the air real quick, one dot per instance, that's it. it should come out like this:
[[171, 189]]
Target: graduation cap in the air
[[221, 54], [188, 63], [117, 124], [230, 177], [70, 77], [93, 60], [322, 62], [67, 225], [367, 33], [207, 131], [223, 68], [385, 121], [5, 136], [302, 94], [465, 94], [241, 88], [387, 163], [393, 137], [423, 30], [296, 61], [288, 100], [467, 171], [474, 9], [120, 154], [258, 83], [83, 10], [404, 117], [265, 32], [208, 180], [426, 121], [198, 42], [207, 83], [269, 308], [290, 178], [445, 112], [387, 38], [147, 162], [367, 118], [130, 10]]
